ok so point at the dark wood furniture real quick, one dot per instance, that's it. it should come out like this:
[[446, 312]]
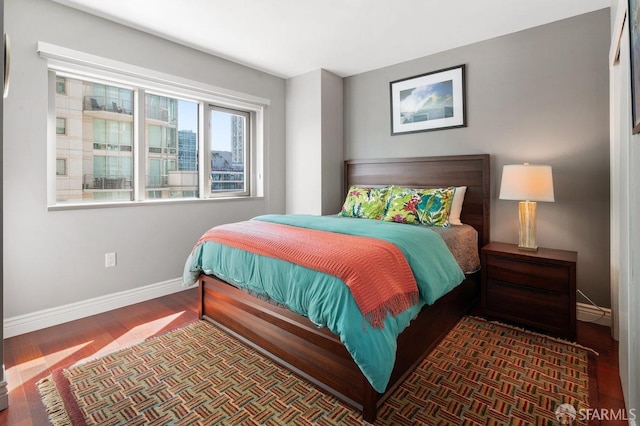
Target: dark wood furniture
[[317, 354], [537, 289]]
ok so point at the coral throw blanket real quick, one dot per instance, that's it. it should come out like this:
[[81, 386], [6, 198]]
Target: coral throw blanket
[[375, 271]]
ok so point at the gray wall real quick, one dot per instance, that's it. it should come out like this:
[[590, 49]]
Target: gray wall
[[537, 96], [56, 258]]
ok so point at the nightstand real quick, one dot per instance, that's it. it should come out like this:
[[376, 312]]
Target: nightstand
[[536, 289]]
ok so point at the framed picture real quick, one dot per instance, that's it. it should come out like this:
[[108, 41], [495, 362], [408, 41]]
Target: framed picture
[[432, 101], [634, 35]]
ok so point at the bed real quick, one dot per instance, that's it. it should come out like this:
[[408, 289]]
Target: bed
[[317, 354]]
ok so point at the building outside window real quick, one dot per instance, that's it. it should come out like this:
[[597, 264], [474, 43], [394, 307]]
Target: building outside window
[[187, 150], [100, 156], [166, 119]]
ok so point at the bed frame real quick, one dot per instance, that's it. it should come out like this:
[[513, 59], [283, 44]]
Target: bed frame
[[317, 354]]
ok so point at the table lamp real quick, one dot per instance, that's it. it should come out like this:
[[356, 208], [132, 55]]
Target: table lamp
[[527, 183]]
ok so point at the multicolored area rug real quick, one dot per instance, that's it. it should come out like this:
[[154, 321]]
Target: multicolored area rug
[[481, 373]]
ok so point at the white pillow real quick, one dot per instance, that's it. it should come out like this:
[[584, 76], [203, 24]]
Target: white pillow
[[456, 205]]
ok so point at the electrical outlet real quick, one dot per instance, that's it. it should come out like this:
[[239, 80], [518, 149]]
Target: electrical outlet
[[109, 260]]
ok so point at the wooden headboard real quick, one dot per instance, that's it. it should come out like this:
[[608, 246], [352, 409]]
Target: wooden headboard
[[471, 171]]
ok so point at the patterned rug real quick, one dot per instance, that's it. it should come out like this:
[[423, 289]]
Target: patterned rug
[[481, 373]]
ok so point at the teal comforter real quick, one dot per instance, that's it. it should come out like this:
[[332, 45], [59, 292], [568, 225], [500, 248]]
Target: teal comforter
[[325, 299]]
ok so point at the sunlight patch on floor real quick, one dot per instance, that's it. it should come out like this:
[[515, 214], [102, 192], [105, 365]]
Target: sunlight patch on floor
[[136, 335], [27, 371]]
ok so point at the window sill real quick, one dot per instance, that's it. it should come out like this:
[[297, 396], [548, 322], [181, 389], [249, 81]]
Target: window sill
[[147, 203]]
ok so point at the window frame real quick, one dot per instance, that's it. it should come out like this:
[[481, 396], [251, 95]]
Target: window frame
[[247, 150], [65, 62]]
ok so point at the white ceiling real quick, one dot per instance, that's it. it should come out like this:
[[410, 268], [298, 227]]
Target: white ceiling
[[291, 37]]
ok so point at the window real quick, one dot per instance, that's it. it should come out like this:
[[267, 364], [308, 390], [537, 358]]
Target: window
[[61, 126], [61, 85], [172, 147], [229, 150], [125, 152], [61, 167], [136, 134], [113, 172], [111, 98], [112, 135]]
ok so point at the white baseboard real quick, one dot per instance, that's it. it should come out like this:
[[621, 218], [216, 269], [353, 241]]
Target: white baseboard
[[596, 314], [53, 316]]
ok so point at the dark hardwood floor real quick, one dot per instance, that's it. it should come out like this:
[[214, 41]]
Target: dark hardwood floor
[[31, 356]]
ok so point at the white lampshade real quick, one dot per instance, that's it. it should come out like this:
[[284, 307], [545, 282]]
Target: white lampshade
[[526, 182]]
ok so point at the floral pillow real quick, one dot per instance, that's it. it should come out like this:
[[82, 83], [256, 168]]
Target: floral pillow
[[365, 203], [429, 207]]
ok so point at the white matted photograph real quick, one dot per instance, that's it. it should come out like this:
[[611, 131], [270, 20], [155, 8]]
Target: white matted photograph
[[431, 101]]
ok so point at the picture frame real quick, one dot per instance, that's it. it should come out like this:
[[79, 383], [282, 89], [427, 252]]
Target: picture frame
[[634, 47], [431, 101]]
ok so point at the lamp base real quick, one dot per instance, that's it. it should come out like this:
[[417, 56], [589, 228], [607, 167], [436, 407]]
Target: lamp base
[[527, 231]]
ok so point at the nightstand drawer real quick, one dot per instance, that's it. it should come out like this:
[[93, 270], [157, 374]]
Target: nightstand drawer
[[541, 276], [528, 305]]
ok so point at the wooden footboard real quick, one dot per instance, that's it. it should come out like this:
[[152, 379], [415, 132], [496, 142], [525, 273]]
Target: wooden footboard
[[317, 354]]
